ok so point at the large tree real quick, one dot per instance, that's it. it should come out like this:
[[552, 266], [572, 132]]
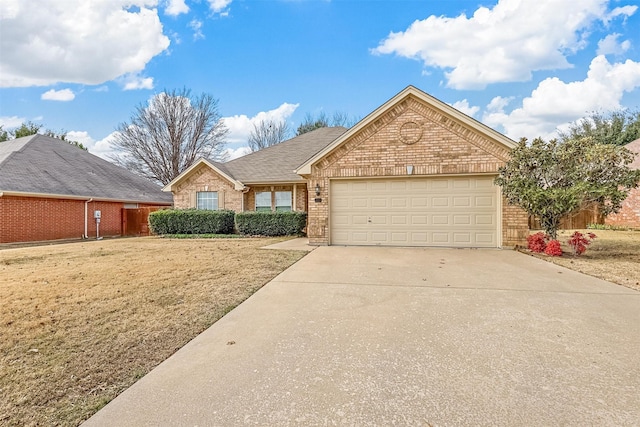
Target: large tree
[[551, 179], [615, 127], [30, 128], [165, 136], [311, 122], [267, 133], [26, 129]]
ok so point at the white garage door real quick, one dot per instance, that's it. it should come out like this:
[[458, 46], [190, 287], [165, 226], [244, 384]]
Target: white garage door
[[451, 212]]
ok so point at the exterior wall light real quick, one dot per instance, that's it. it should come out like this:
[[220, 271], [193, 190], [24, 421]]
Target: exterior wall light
[[317, 190]]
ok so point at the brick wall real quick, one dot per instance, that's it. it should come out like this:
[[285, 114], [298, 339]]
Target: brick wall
[[410, 133], [25, 219], [629, 215], [205, 179]]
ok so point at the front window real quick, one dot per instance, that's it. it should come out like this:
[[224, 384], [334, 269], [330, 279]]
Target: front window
[[283, 200], [263, 201], [207, 200]]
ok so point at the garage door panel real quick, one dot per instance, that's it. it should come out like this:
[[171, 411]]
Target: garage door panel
[[440, 202], [484, 201], [462, 201], [359, 220], [358, 202], [454, 211], [440, 219], [399, 220], [461, 219]]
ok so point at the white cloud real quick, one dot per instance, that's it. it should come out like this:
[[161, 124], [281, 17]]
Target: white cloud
[[234, 153], [555, 102], [624, 11], [219, 6], [11, 122], [196, 26], [610, 45], [101, 148], [77, 41], [176, 7], [500, 44], [134, 82], [464, 107], [240, 126], [58, 95]]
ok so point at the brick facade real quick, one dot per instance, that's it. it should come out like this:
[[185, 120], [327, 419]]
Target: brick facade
[[411, 133], [629, 215], [205, 179], [25, 219]]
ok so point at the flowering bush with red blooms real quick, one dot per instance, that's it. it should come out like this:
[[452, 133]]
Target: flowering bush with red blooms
[[579, 242], [553, 248], [537, 242]]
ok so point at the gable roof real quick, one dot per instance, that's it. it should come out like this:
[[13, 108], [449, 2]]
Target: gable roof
[[275, 164], [279, 162], [40, 165], [634, 147], [409, 91]]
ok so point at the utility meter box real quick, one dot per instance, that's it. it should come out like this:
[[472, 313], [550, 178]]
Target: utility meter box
[[97, 214]]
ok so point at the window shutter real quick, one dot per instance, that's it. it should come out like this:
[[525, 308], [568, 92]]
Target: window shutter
[[192, 199], [221, 199]]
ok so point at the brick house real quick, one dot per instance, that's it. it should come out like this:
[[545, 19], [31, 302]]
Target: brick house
[[50, 189], [415, 172], [629, 215]]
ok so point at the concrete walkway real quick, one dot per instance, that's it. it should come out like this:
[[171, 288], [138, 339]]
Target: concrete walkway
[[395, 336]]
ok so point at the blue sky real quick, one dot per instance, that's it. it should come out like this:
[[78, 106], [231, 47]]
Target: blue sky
[[523, 67]]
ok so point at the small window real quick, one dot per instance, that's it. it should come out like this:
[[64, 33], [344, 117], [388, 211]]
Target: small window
[[207, 200], [263, 201], [283, 200]]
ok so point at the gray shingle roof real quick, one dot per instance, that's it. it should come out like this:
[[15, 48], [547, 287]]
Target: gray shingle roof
[[634, 147], [45, 165], [278, 162]]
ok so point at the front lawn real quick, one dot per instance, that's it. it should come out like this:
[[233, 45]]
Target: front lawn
[[614, 256], [82, 322]]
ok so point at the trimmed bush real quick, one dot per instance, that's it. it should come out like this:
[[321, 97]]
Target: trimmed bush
[[191, 221], [271, 223], [537, 242], [553, 248]]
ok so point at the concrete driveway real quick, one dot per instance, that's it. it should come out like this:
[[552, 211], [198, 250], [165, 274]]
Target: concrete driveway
[[397, 336]]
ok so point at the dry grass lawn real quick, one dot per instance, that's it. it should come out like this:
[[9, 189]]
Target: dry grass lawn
[[82, 322], [614, 256]]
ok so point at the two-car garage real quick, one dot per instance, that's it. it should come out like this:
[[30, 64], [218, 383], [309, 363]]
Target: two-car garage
[[415, 211]]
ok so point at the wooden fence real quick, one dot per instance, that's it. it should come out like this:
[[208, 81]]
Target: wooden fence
[[135, 222]]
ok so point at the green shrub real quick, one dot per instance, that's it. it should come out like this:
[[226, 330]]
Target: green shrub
[[271, 223], [191, 221]]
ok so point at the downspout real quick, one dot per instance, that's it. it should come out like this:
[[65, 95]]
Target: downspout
[[86, 219]]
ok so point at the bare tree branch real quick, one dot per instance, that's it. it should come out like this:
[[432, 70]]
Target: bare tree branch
[[166, 136], [267, 133]]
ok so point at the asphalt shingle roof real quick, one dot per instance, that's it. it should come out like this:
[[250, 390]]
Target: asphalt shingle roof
[[46, 165], [634, 147], [278, 162]]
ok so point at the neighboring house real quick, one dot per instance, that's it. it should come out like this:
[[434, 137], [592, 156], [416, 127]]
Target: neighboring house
[[629, 215], [50, 189], [415, 172]]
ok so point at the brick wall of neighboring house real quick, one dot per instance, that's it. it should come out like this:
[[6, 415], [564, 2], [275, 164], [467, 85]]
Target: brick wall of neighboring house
[[204, 178], [629, 215], [300, 202], [26, 219], [411, 133]]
